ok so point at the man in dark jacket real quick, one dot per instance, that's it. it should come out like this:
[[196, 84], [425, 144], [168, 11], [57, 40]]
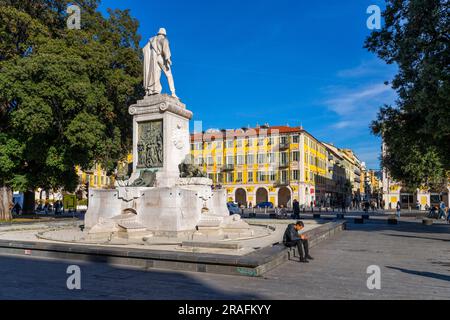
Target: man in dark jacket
[[291, 238], [296, 208]]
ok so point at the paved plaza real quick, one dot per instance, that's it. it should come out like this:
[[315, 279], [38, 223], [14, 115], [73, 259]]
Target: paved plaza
[[414, 261]]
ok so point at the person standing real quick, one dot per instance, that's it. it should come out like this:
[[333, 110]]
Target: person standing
[[399, 208], [296, 208], [442, 210]]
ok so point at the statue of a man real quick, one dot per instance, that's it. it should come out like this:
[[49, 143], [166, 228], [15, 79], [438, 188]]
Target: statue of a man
[[156, 59]]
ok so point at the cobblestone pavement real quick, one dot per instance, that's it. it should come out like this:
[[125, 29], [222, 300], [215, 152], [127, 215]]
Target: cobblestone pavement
[[414, 261]]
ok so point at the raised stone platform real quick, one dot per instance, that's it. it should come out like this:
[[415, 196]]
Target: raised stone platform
[[226, 260]]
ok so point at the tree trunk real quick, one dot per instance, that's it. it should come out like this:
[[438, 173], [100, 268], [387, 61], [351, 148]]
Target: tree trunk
[[28, 203], [6, 203]]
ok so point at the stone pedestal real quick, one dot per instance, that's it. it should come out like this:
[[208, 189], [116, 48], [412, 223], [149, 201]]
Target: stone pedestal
[[168, 114]]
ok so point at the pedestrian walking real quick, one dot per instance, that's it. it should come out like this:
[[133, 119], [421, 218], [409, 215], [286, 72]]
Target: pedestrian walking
[[399, 209], [442, 210]]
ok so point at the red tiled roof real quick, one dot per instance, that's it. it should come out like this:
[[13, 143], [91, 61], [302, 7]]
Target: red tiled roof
[[248, 132]]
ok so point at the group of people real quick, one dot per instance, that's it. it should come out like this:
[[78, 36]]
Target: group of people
[[370, 205], [436, 212], [439, 212], [47, 208]]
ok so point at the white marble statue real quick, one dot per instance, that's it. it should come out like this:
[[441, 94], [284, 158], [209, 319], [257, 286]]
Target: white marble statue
[[157, 58]]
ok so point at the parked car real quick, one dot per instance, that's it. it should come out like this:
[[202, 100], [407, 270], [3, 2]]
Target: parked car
[[262, 205], [233, 208]]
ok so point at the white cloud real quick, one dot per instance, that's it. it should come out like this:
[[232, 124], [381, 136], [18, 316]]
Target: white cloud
[[366, 99]]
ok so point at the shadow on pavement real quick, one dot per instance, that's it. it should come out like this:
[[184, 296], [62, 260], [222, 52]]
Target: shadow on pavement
[[423, 273], [37, 278], [408, 226], [416, 237]]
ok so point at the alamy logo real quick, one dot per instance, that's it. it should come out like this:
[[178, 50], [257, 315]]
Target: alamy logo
[[374, 20], [74, 280], [374, 280], [74, 20]]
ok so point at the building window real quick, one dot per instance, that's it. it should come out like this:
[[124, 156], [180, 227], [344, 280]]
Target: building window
[[260, 141], [261, 176], [261, 158], [271, 158], [230, 143], [284, 176], [250, 158], [230, 177], [219, 160], [283, 140], [283, 158], [240, 159], [211, 176], [209, 161], [295, 155], [239, 177], [239, 143], [295, 175], [295, 139], [271, 141], [272, 176], [230, 160], [250, 176]]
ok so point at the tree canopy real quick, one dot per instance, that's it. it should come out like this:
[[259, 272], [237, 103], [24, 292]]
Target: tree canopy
[[416, 131], [64, 94]]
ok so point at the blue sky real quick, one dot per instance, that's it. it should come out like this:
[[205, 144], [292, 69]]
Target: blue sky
[[239, 63]]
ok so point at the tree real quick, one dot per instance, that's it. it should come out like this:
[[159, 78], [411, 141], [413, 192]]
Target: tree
[[64, 93], [416, 131]]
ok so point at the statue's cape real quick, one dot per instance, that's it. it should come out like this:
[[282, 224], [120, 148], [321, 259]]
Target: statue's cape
[[147, 54]]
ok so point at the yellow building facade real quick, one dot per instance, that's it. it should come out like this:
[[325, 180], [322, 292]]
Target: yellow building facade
[[264, 164]]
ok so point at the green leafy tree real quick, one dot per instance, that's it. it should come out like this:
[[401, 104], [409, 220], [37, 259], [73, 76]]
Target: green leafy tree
[[64, 93], [416, 130]]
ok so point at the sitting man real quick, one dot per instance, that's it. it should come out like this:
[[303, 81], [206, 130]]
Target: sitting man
[[291, 238]]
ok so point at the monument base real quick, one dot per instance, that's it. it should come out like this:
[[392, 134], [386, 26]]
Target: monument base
[[190, 206]]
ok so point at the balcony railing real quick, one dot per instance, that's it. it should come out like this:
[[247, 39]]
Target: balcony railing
[[228, 167], [357, 171], [282, 183], [283, 145]]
